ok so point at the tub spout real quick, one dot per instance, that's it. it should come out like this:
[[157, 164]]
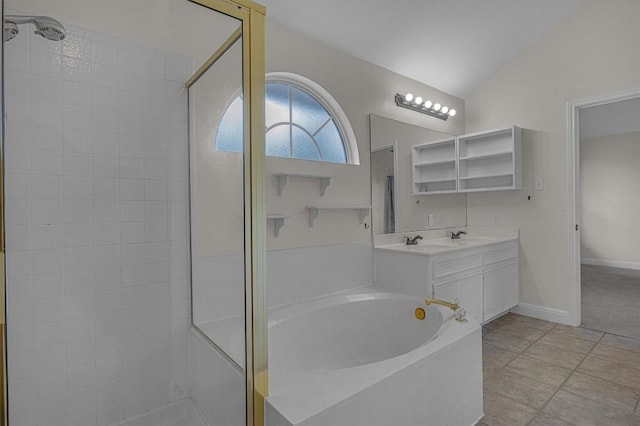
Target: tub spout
[[459, 312]]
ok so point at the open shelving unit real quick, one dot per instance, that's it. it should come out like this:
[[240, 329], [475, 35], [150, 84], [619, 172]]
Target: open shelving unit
[[490, 161], [434, 167], [315, 211], [278, 222]]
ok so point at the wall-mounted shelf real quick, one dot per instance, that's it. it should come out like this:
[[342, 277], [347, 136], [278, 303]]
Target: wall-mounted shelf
[[278, 222], [434, 167], [283, 179], [315, 211], [484, 161]]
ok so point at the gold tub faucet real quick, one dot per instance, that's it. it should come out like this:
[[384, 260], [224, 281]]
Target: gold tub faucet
[[454, 306]]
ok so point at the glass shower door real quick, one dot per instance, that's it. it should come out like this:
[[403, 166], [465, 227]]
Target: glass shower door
[[227, 227]]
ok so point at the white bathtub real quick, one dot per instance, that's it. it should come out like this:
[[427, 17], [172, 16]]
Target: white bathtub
[[362, 358]]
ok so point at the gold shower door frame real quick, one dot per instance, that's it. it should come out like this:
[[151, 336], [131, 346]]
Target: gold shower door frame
[[252, 16]]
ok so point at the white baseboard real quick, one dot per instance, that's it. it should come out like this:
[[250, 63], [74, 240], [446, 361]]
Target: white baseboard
[[542, 312], [610, 263]]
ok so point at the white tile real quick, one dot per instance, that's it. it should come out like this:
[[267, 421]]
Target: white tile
[[76, 117], [82, 401], [103, 120], [80, 284], [76, 188], [104, 53], [131, 232], [108, 346], [109, 369], [130, 125], [20, 314], [45, 311], [45, 162], [104, 76], [130, 146], [109, 324], [134, 319], [16, 57], [45, 112], [45, 88], [18, 237], [46, 261], [74, 93], [156, 210], [156, 231], [104, 143], [134, 275], [46, 236], [79, 353], [48, 335], [132, 254], [16, 135], [16, 84], [21, 367], [105, 211], [154, 148], [76, 70], [105, 166], [76, 47], [156, 190], [106, 233], [157, 293], [153, 128], [153, 88], [131, 168], [107, 279], [17, 212], [45, 63], [18, 263], [80, 376], [17, 161], [131, 189], [155, 169], [104, 98], [53, 358], [108, 301], [77, 211], [22, 391], [132, 210], [133, 297], [153, 66], [105, 188], [51, 410], [158, 314], [49, 384], [45, 137], [180, 290], [79, 329], [77, 235], [21, 339], [17, 109], [130, 81], [77, 259], [176, 71], [106, 256], [130, 102], [46, 212], [76, 140], [157, 252], [129, 59], [47, 286], [44, 187], [19, 288]]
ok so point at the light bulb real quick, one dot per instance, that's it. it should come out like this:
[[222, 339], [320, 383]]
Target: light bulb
[[436, 107], [408, 97], [452, 112], [428, 104], [418, 100], [445, 109]]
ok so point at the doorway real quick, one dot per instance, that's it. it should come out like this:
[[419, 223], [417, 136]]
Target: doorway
[[604, 136]]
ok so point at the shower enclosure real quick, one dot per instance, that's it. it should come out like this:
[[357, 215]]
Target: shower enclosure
[[105, 107]]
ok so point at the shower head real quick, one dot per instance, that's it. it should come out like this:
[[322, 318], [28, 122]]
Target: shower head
[[46, 26]]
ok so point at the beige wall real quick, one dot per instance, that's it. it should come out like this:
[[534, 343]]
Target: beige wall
[[610, 195], [594, 51]]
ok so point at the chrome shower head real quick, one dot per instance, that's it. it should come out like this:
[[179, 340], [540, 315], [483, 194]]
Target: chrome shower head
[[47, 27], [10, 30]]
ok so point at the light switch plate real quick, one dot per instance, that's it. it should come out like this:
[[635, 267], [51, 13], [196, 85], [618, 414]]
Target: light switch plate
[[539, 184]]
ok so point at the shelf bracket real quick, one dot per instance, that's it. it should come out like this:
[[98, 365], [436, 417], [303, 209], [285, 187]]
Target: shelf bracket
[[277, 224], [313, 214], [363, 213], [324, 183], [282, 181]]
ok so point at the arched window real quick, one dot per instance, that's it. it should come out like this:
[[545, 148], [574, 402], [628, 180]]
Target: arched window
[[302, 121]]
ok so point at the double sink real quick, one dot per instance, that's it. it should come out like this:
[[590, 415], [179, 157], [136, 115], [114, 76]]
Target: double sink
[[439, 245]]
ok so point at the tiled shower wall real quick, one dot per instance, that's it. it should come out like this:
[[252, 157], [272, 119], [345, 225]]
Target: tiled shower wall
[[96, 229]]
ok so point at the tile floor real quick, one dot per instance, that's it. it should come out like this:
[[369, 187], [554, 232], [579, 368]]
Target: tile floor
[[542, 373]]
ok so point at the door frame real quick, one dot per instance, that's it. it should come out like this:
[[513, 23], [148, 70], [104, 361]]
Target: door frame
[[574, 205]]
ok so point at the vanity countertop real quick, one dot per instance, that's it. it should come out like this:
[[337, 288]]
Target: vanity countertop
[[429, 246]]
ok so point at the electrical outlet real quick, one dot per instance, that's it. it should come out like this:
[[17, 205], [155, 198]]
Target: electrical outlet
[[431, 220], [495, 219], [587, 244], [441, 219], [539, 184]]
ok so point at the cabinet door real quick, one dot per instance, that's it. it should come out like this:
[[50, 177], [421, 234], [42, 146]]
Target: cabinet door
[[470, 295], [467, 290], [500, 289]]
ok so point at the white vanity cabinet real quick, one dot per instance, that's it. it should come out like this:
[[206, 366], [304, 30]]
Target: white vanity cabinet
[[484, 279]]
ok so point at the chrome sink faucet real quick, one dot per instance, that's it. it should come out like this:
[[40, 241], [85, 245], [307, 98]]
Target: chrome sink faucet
[[456, 235], [413, 241]]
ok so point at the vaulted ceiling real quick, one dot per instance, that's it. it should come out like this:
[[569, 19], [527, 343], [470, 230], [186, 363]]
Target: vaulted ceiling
[[452, 45]]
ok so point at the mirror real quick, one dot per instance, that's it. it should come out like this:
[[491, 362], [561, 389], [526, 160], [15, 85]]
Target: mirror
[[394, 207]]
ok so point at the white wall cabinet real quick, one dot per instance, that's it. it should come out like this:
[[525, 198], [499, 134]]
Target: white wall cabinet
[[484, 161], [485, 279]]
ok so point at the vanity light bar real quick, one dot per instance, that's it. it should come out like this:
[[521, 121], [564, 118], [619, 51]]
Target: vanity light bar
[[424, 106]]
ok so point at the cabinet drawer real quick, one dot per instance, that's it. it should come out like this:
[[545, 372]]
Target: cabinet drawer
[[500, 253], [447, 265]]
